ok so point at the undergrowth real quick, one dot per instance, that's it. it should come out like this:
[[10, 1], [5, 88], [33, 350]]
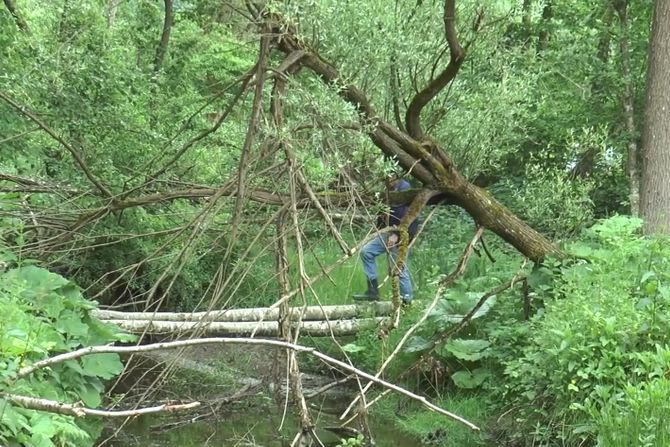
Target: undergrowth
[[43, 314]]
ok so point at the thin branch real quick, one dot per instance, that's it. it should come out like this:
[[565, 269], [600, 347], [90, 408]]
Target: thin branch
[[444, 283], [15, 137], [518, 277], [256, 107], [52, 406], [31, 185], [328, 386], [241, 341], [221, 118]]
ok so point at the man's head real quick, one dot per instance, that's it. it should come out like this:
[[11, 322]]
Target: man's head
[[397, 184], [393, 178]]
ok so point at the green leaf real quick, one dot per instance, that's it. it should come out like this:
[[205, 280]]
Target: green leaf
[[89, 394], [104, 366], [417, 344], [467, 349], [351, 347], [468, 380], [69, 322]]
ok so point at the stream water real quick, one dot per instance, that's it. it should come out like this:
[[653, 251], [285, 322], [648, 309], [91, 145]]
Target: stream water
[[257, 422], [244, 429]]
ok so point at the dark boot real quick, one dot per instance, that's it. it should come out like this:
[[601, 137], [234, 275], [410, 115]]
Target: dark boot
[[372, 294]]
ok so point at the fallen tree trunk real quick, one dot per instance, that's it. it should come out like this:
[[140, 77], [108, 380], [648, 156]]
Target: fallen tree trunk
[[243, 329], [309, 313]]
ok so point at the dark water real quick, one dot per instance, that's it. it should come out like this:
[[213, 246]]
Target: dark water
[[245, 428]]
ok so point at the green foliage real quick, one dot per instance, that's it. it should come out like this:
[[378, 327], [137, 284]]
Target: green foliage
[[434, 429], [603, 328], [639, 416], [358, 441], [43, 314]]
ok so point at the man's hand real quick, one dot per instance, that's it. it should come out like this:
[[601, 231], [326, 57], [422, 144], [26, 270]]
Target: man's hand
[[392, 240]]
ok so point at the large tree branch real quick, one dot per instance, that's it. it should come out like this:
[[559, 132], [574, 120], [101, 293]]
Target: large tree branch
[[425, 160], [413, 212], [413, 114]]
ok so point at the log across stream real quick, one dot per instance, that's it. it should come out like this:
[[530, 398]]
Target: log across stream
[[316, 321]]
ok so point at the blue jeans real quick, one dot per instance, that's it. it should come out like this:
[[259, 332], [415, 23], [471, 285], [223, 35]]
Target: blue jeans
[[376, 247]]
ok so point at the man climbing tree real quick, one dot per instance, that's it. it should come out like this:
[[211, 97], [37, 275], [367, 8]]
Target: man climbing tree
[[388, 243]]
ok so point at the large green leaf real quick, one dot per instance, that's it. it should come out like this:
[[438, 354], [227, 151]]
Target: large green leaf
[[467, 349], [417, 344], [467, 379], [104, 366], [89, 394]]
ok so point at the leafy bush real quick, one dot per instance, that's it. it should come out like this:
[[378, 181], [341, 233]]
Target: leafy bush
[[42, 314], [603, 330]]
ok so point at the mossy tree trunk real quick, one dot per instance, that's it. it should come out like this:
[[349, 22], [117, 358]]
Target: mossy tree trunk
[[420, 154]]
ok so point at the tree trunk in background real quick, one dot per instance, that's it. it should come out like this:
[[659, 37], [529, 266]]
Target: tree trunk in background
[[111, 12], [527, 22], [20, 22], [628, 109], [161, 50], [543, 36], [655, 193]]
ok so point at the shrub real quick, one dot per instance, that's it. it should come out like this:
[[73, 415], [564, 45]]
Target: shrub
[[602, 333], [43, 314]]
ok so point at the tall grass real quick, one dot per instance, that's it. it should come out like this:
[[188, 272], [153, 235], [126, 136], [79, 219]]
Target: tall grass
[[642, 420]]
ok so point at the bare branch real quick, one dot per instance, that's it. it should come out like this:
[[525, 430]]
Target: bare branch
[[242, 341], [243, 167], [31, 185], [52, 406], [443, 284], [221, 118]]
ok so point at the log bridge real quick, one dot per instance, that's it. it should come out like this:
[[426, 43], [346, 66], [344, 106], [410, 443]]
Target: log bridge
[[315, 321]]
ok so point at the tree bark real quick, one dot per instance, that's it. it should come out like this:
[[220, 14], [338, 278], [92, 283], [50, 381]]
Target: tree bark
[[655, 193], [161, 50], [309, 313], [245, 329], [543, 36], [628, 99], [111, 12], [18, 18]]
